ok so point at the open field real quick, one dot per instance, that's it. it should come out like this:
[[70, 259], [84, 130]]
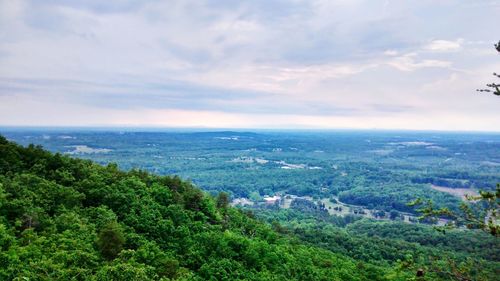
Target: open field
[[459, 192]]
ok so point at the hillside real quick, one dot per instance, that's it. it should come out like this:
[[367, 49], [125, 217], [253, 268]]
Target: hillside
[[71, 219]]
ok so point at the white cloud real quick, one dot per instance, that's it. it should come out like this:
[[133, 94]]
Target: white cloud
[[337, 63], [408, 62], [391, 53], [444, 45]]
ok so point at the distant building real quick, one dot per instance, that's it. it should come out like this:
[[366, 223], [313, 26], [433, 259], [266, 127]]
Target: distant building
[[241, 202], [272, 200]]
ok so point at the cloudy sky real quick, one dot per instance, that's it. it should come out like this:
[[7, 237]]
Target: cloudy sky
[[250, 64]]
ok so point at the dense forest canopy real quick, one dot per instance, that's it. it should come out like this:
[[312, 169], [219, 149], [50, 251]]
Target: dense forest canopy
[[376, 169], [64, 218], [249, 140]]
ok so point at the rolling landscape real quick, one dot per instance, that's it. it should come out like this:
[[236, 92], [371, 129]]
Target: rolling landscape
[[339, 195]]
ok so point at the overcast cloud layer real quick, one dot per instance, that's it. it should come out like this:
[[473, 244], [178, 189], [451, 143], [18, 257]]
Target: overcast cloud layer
[[261, 64]]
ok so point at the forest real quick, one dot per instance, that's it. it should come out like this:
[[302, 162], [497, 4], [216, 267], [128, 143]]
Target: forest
[[376, 169], [64, 218], [249, 140]]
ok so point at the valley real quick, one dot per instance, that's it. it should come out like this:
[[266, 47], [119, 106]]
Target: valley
[[338, 199]]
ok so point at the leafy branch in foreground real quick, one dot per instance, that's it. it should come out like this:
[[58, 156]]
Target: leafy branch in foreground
[[479, 212], [493, 87]]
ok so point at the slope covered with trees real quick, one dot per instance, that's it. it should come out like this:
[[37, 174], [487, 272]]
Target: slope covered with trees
[[457, 254], [70, 219]]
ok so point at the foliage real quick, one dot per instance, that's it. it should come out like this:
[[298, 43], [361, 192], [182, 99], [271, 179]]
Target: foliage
[[110, 240], [70, 219], [406, 247], [382, 170], [480, 212], [493, 87], [222, 200]]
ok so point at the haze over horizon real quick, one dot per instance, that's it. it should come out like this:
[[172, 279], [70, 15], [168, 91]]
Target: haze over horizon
[[251, 64]]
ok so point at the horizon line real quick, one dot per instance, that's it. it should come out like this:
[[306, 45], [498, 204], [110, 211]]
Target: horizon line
[[136, 128]]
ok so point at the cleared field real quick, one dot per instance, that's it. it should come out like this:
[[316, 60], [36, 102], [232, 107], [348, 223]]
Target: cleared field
[[459, 192]]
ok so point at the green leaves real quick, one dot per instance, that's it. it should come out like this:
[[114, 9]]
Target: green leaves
[[479, 212], [493, 87], [110, 240], [67, 219]]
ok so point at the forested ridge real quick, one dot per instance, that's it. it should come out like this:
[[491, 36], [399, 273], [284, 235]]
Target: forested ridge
[[71, 219]]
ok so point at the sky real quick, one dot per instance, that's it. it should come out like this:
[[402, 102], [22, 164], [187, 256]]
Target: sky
[[294, 64]]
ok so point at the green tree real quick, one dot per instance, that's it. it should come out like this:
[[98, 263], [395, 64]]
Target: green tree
[[222, 200], [493, 88], [111, 240], [479, 212]]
